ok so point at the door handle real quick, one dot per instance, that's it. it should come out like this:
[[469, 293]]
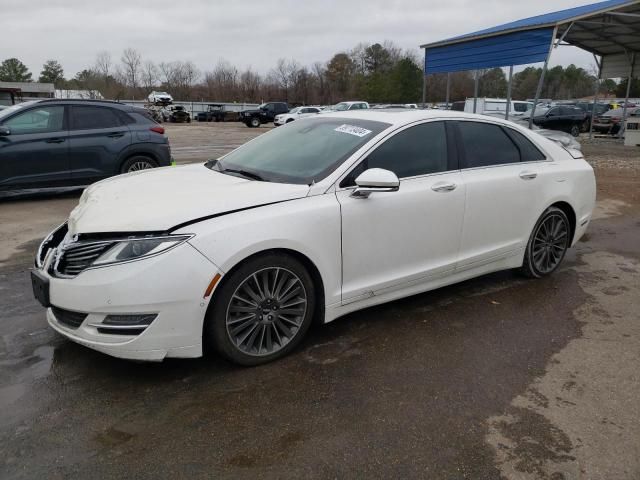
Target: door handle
[[443, 187], [116, 135], [528, 175], [55, 140]]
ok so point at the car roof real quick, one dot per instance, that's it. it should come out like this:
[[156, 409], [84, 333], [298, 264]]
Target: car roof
[[403, 116], [111, 103]]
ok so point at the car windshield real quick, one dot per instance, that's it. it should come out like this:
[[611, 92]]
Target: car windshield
[[8, 111], [340, 107], [302, 152], [294, 110]]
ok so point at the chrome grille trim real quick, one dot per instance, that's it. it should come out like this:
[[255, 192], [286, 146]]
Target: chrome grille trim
[[74, 258]]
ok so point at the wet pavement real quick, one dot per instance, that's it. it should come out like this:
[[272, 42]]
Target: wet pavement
[[497, 377]]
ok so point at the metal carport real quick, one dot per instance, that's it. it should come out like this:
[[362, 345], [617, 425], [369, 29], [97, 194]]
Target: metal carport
[[609, 30]]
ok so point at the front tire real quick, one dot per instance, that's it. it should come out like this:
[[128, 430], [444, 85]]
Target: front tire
[[262, 310], [255, 122], [547, 244]]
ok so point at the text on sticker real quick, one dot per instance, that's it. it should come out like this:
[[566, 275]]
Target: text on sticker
[[353, 130]]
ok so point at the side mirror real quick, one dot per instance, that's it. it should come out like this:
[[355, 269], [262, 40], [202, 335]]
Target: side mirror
[[4, 131], [375, 180]]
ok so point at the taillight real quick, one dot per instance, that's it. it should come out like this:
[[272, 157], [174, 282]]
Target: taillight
[[159, 130]]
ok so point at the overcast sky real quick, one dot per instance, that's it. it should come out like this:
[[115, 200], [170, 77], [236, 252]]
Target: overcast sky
[[246, 32]]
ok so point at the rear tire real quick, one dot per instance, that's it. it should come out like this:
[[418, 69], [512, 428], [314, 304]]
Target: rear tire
[[575, 131], [254, 122], [137, 163], [247, 323], [547, 244]]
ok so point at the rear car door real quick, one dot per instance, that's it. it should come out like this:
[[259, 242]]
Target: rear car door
[[391, 241], [35, 153], [96, 139], [501, 170]]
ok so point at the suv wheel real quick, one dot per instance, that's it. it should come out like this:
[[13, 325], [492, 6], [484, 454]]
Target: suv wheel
[[575, 130], [255, 122], [136, 163]]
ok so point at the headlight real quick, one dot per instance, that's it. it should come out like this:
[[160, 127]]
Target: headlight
[[136, 248]]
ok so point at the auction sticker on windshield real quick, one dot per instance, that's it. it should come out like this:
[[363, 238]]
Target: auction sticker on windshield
[[353, 130]]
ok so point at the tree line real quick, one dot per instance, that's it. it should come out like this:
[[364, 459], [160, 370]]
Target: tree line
[[378, 73]]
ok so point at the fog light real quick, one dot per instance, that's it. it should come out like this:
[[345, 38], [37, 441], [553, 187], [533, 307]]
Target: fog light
[[125, 324], [138, 320]]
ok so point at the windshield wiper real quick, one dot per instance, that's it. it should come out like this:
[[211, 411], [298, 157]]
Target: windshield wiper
[[244, 173]]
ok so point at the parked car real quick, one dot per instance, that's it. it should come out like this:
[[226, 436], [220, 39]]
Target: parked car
[[63, 143], [160, 98], [587, 108], [178, 114], [332, 214], [567, 119], [611, 121], [265, 113], [344, 106], [295, 114], [216, 112], [493, 106]]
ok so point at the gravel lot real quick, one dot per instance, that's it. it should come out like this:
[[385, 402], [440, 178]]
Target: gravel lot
[[498, 377]]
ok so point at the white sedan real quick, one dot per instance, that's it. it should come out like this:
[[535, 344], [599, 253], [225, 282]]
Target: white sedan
[[295, 114], [310, 221]]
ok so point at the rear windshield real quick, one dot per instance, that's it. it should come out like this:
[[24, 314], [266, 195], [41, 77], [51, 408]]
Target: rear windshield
[[303, 151]]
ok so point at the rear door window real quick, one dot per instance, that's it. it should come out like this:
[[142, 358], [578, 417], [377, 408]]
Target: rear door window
[[486, 144], [85, 117], [528, 151]]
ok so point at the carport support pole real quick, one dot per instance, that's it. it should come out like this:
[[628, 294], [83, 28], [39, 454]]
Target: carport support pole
[[424, 88], [595, 96], [626, 98], [506, 115], [541, 81], [448, 90], [475, 92]]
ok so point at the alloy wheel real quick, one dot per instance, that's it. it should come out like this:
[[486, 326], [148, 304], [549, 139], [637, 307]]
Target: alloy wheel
[[140, 165], [550, 243], [266, 311]]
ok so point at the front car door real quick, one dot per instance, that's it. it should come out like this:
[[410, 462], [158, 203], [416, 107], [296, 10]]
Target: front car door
[[96, 139], [392, 241], [35, 153], [501, 170]]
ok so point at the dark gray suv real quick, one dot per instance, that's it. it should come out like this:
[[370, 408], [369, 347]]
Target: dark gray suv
[[64, 143]]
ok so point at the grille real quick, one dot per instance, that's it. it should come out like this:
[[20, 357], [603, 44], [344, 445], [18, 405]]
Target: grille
[[68, 318], [77, 258], [52, 241]]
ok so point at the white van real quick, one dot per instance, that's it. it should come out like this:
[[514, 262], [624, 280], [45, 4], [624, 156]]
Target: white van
[[493, 106]]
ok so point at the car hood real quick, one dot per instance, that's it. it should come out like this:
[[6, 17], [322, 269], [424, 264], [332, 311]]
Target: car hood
[[157, 200]]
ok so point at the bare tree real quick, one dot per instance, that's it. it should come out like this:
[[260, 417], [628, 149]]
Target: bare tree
[[250, 83], [284, 75], [103, 64], [150, 75], [131, 62], [222, 81]]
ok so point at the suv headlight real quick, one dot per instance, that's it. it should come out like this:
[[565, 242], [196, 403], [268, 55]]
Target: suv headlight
[[135, 248]]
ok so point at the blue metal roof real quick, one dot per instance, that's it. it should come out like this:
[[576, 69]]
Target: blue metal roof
[[548, 19], [515, 48], [529, 40]]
